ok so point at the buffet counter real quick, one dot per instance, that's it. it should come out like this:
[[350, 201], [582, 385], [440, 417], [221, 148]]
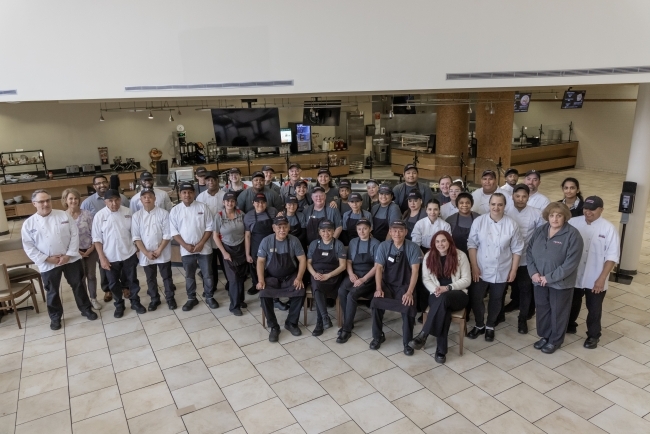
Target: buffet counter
[[544, 157], [430, 166]]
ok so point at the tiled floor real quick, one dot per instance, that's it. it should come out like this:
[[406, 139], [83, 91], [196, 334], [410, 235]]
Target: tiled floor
[[206, 371]]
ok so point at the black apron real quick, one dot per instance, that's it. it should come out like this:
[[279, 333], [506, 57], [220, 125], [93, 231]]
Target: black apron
[[362, 262], [380, 226], [460, 235], [325, 261], [404, 206], [351, 232], [303, 203], [298, 231], [259, 232], [409, 223], [312, 225], [279, 276], [237, 253], [235, 192], [395, 281]]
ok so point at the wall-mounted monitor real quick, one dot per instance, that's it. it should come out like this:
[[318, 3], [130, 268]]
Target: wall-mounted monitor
[[259, 127], [573, 99], [522, 101], [321, 113], [285, 135]]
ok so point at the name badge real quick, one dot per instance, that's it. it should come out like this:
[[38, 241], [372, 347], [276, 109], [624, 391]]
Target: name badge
[[325, 253], [391, 259]]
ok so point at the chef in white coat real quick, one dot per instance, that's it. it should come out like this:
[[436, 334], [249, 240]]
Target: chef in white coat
[[536, 199], [488, 188], [213, 198], [601, 253], [512, 178], [162, 198]]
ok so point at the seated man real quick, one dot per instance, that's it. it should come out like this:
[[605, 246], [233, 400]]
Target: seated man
[[281, 265], [397, 265]]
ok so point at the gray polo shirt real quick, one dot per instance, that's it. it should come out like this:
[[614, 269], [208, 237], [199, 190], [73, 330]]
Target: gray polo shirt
[[409, 248], [231, 231], [290, 245], [369, 246], [392, 211], [335, 245], [332, 214], [249, 218], [95, 203]]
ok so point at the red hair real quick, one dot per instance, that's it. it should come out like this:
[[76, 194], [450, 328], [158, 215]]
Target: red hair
[[451, 262]]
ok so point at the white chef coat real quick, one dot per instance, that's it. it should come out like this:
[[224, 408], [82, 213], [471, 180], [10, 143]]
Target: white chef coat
[[162, 201], [152, 227], [448, 209], [51, 235], [424, 230], [482, 201], [191, 223], [507, 188], [113, 230], [528, 219], [215, 203], [495, 242], [601, 244], [538, 200]]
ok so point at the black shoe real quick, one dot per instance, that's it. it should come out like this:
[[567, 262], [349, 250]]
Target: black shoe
[[275, 334], [279, 305], [510, 306], [237, 312], [572, 330], [330, 302], [119, 311], [376, 343], [408, 350], [55, 324], [419, 341], [530, 315], [293, 329], [475, 332], [540, 343], [591, 343], [489, 335], [171, 304], [522, 327], [421, 318], [338, 333], [252, 291], [136, 306], [189, 304], [549, 348], [327, 323], [92, 316], [440, 358], [153, 305], [212, 303], [343, 337], [243, 305], [500, 318], [318, 330], [227, 287]]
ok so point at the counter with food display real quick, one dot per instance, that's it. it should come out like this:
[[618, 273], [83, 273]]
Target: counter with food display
[[544, 157], [430, 166]]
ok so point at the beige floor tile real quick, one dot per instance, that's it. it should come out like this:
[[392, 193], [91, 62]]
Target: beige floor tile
[[347, 387], [9, 381], [45, 362], [168, 339], [286, 338], [394, 384], [579, 400], [628, 396], [210, 336], [147, 399], [558, 358], [585, 374], [88, 361], [325, 366], [490, 378], [233, 372], [94, 403], [58, 423], [476, 405], [384, 413], [564, 421], [199, 395], [280, 369], [291, 429], [629, 370], [394, 343], [122, 327], [108, 311], [161, 421], [247, 393], [346, 428], [177, 355], [186, 374], [40, 332], [12, 332], [596, 356], [370, 363], [266, 417], [631, 349], [91, 380], [527, 402], [11, 362], [136, 378], [618, 420], [423, 407], [42, 405], [251, 334], [8, 402], [160, 325], [353, 346], [452, 425], [203, 421], [86, 344], [298, 390], [127, 342], [319, 415], [632, 330], [510, 423], [112, 422], [634, 300], [43, 382], [402, 426], [13, 345], [633, 314], [463, 363], [264, 351], [200, 322], [443, 382], [503, 356], [82, 330], [220, 353], [513, 339], [133, 358], [416, 364], [538, 376]]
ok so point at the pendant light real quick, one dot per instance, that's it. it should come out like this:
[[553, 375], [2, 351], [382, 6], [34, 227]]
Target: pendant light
[[101, 116], [150, 115], [491, 109], [179, 111], [171, 116], [469, 109]]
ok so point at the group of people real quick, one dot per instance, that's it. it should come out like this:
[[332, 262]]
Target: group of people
[[404, 249]]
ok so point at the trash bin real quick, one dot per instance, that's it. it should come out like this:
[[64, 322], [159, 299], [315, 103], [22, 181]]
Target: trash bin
[[380, 152]]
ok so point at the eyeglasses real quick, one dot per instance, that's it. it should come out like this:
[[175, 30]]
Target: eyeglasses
[[43, 202]]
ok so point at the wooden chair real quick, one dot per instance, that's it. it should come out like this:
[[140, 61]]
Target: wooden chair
[[10, 291], [339, 312], [306, 306], [459, 318], [23, 274]]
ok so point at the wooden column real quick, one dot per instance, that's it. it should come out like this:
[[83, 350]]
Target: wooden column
[[452, 126], [494, 131]]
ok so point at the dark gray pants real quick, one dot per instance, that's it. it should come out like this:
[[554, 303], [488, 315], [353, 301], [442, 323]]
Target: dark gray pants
[[236, 276], [74, 275], [408, 322], [295, 304], [152, 281], [123, 274], [477, 292], [190, 264], [594, 304], [349, 299], [524, 288], [439, 316], [553, 308]]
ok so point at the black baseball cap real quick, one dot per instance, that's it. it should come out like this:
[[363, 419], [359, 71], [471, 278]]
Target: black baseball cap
[[533, 172], [294, 165], [268, 169], [414, 194], [593, 202], [326, 224], [364, 221], [385, 189], [200, 171], [302, 182], [257, 175], [344, 183], [111, 194], [211, 174], [292, 199], [518, 187], [355, 197], [259, 197], [146, 175], [147, 190], [511, 170], [235, 170], [186, 186], [230, 196], [489, 172], [409, 167], [317, 190], [398, 224], [323, 170], [280, 220]]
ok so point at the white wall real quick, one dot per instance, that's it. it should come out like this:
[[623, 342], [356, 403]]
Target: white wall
[[85, 49]]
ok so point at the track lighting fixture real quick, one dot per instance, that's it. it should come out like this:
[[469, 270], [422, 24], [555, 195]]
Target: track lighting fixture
[[391, 114], [150, 115], [179, 111], [491, 109], [171, 116], [469, 109], [101, 117]]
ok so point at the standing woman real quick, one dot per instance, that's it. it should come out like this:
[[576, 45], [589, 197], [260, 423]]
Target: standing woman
[[415, 212], [324, 180], [229, 236], [383, 213], [450, 208], [553, 255], [325, 262], [572, 196], [71, 200], [495, 247], [342, 203], [303, 195], [446, 276], [371, 196], [461, 222], [297, 221], [351, 217]]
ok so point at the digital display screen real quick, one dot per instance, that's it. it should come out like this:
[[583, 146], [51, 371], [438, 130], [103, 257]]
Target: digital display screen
[[247, 127], [285, 135], [522, 101], [573, 99]]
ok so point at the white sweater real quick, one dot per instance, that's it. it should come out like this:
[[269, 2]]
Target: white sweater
[[460, 280]]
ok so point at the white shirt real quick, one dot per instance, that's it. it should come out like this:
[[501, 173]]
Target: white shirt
[[448, 209], [507, 188], [162, 201], [424, 230], [113, 230], [51, 235], [528, 219], [495, 243], [191, 223], [215, 203], [482, 200], [601, 244], [538, 200], [152, 227]]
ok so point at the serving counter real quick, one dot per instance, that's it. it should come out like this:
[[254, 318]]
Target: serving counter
[[544, 157], [430, 166]]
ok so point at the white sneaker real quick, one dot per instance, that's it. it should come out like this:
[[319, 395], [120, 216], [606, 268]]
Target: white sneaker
[[95, 304]]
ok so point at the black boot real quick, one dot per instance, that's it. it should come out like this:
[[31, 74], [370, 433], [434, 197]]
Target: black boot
[[522, 327], [319, 328], [419, 341]]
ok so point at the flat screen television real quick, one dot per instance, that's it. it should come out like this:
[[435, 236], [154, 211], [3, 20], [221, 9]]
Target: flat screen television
[[573, 99], [522, 101], [259, 127], [285, 135], [320, 113], [403, 109]]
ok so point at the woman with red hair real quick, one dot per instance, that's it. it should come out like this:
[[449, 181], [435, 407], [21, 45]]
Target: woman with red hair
[[446, 275]]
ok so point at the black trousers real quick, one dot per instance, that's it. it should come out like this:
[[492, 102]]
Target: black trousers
[[253, 272], [477, 292], [295, 304], [408, 322], [523, 287], [217, 261], [439, 316], [594, 304], [152, 282], [236, 276], [74, 275], [128, 270], [349, 299], [190, 264], [553, 308]]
